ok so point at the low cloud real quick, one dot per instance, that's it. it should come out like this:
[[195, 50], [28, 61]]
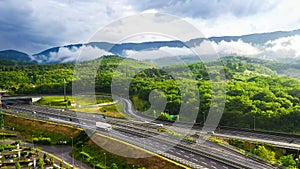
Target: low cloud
[[287, 46], [162, 52], [239, 47], [74, 54], [278, 49]]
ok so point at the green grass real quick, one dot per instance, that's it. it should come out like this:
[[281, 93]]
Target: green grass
[[93, 155], [113, 110], [173, 133], [55, 101], [104, 100], [30, 129], [28, 132]]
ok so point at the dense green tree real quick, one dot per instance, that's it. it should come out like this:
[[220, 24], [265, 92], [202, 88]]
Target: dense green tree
[[287, 161], [41, 163], [17, 165], [264, 153]]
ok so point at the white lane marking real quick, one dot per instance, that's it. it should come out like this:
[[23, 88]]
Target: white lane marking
[[204, 163], [195, 159]]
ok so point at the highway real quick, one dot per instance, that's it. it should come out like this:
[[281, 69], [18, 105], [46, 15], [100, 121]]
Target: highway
[[207, 155]]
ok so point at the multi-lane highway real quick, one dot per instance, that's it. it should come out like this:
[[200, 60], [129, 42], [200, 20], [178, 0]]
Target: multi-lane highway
[[204, 155]]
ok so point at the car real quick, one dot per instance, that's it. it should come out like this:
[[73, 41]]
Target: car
[[211, 132]]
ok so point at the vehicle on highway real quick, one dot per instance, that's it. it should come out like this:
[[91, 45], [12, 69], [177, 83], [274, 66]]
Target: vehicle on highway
[[103, 126], [145, 124], [153, 125]]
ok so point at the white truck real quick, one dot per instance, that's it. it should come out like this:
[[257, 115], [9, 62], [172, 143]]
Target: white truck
[[103, 126]]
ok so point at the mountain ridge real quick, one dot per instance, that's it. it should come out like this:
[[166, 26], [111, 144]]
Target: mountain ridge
[[70, 52]]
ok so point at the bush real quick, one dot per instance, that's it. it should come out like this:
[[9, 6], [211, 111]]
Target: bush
[[287, 161], [42, 140]]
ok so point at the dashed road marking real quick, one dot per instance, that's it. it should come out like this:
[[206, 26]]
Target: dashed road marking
[[204, 163]]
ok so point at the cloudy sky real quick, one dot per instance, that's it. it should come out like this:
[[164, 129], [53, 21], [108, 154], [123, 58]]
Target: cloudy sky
[[34, 25]]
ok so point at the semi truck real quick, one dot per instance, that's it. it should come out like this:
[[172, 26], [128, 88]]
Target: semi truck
[[102, 126]]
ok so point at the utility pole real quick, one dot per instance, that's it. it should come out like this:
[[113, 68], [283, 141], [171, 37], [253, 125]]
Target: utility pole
[[253, 122], [73, 155], [105, 159], [203, 118], [65, 90], [2, 116]]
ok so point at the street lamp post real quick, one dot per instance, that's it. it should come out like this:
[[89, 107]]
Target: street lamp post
[[297, 159], [65, 90], [73, 155], [253, 122], [104, 159], [34, 116], [32, 141], [81, 156], [203, 118]]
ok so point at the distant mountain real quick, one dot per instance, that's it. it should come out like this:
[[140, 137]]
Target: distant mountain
[[14, 55], [110, 48], [257, 38], [277, 46]]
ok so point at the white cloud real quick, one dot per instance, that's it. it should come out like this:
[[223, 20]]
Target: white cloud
[[235, 48], [287, 46], [82, 53], [276, 16], [163, 52], [278, 49]]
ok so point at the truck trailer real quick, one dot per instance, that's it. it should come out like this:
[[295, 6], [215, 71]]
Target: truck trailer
[[102, 126]]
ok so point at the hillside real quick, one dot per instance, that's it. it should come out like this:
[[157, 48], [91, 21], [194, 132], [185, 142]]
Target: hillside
[[14, 55], [253, 87]]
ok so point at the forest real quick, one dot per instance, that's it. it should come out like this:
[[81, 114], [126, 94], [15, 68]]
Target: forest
[[255, 89]]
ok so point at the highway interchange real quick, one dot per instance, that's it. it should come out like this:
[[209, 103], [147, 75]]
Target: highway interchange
[[201, 155]]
